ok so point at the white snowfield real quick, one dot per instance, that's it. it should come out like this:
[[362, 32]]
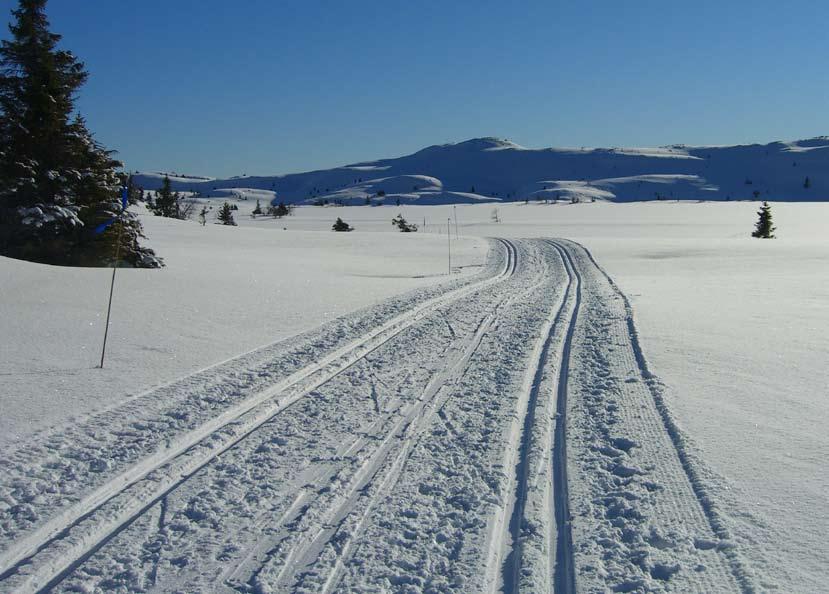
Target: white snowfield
[[512, 428]]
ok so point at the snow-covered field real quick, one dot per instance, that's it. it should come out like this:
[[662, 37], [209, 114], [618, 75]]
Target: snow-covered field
[[224, 291], [709, 478]]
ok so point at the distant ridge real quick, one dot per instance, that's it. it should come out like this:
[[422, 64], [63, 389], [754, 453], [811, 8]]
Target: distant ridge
[[493, 169]]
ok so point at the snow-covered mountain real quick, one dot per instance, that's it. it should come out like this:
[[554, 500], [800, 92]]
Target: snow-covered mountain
[[484, 169]]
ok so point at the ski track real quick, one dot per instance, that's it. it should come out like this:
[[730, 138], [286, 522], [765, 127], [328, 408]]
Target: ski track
[[638, 522], [38, 480], [496, 433]]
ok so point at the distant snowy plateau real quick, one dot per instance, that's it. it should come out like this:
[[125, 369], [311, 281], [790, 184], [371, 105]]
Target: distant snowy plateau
[[490, 169]]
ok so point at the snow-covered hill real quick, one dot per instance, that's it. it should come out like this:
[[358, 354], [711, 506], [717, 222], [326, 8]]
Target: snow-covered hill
[[484, 169]]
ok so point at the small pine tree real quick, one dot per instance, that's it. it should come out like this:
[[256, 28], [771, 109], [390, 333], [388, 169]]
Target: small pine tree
[[403, 224], [258, 209], [134, 191], [764, 229], [226, 215], [342, 226], [280, 210], [166, 202]]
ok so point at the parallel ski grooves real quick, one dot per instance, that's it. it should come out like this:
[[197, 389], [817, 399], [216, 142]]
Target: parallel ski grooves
[[564, 577], [55, 570], [517, 453]]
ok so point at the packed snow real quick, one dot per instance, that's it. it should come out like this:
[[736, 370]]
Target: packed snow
[[416, 412]]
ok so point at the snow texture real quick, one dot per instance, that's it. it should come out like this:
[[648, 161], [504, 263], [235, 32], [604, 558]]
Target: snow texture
[[539, 423]]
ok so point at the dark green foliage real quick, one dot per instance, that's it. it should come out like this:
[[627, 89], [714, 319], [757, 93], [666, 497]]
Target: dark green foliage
[[403, 225], [258, 209], [280, 210], [764, 229], [341, 225], [226, 215], [57, 184], [134, 192], [167, 203]]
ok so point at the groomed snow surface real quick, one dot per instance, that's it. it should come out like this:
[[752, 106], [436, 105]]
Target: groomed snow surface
[[640, 407]]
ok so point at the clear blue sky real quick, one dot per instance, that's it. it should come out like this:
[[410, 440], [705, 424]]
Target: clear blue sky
[[262, 87]]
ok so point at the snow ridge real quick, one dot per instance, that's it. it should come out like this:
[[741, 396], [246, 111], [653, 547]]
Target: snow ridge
[[490, 169]]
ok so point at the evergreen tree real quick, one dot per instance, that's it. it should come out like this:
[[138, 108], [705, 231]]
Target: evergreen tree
[[226, 215], [403, 224], [764, 228], [167, 203], [134, 191], [258, 209], [341, 225], [280, 210], [57, 184]]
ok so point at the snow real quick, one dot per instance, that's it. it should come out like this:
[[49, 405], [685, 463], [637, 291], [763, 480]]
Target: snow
[[222, 293], [734, 330], [493, 169]]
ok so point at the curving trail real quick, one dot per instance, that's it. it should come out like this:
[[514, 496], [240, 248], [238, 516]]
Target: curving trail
[[496, 434]]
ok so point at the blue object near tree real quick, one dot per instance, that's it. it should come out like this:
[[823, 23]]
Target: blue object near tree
[[105, 225]]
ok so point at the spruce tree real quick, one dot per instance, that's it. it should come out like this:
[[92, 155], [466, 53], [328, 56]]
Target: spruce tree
[[764, 229], [167, 202], [341, 225], [226, 215], [258, 209], [58, 186]]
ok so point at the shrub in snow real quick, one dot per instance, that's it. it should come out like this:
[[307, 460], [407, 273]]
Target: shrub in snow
[[341, 225], [403, 224], [280, 210]]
